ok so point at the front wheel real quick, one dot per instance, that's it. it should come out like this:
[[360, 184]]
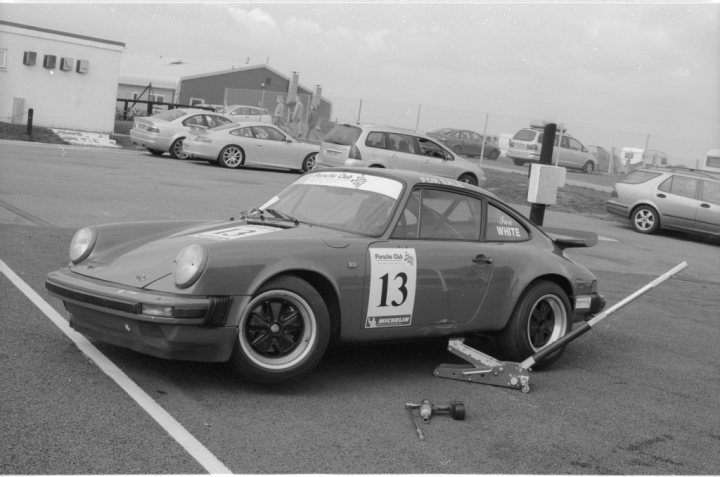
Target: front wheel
[[231, 157], [588, 167], [541, 317], [468, 179], [309, 163], [283, 332], [493, 155], [176, 149], [645, 219]]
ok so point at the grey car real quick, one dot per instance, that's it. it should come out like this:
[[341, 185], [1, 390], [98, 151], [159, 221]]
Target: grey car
[[668, 198]]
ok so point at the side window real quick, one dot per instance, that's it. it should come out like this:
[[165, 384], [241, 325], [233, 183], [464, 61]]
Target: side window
[[502, 227], [449, 216], [407, 226], [220, 120], [711, 192], [196, 120], [476, 137], [375, 139], [666, 185], [575, 144], [244, 132], [685, 186], [400, 143], [430, 148], [269, 134]]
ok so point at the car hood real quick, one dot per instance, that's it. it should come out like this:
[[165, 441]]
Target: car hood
[[144, 259]]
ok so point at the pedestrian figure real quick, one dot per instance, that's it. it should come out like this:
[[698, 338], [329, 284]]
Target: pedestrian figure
[[297, 118], [279, 112], [312, 123]]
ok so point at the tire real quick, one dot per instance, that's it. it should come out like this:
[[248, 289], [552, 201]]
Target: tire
[[541, 316], [283, 332], [154, 152], [309, 162], [588, 167], [176, 147], [493, 155], [468, 179], [645, 219], [231, 157], [518, 162]]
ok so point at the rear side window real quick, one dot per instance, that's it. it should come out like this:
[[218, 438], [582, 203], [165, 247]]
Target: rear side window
[[711, 192], [376, 139], [638, 177], [502, 227], [343, 134], [525, 135], [681, 185]]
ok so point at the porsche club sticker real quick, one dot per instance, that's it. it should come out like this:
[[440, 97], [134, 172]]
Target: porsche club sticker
[[239, 231], [353, 180], [393, 274]]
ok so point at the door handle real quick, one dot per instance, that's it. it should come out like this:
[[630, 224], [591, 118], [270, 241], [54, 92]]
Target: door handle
[[662, 196], [483, 259], [705, 206]]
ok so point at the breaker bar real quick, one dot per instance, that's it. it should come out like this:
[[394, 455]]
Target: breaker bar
[[487, 370]]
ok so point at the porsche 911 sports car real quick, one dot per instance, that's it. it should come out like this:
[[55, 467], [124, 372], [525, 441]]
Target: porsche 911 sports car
[[342, 255]]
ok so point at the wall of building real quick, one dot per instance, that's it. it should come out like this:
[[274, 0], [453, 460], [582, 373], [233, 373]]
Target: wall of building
[[59, 99]]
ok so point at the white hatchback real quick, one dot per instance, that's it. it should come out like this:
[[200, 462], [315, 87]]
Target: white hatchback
[[352, 145]]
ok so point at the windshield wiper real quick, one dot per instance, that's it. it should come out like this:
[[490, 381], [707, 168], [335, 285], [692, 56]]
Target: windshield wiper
[[283, 216], [258, 215]]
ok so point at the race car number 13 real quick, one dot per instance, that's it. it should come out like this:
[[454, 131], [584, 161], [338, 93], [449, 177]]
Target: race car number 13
[[393, 273]]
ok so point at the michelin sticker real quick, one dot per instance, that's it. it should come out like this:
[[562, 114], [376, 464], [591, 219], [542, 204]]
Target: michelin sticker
[[393, 274], [240, 231]]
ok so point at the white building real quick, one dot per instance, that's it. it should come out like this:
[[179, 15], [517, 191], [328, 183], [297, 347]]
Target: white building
[[70, 81]]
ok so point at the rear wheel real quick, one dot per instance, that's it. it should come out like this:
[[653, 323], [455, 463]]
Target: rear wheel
[[468, 179], [541, 317], [283, 332], [588, 167], [231, 157], [645, 219], [518, 162], [176, 149], [309, 162], [493, 155]]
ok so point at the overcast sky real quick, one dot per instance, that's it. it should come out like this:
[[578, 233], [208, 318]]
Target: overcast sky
[[613, 73]]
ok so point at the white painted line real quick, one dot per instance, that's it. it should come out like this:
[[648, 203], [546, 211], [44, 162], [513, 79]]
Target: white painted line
[[606, 239], [194, 447]]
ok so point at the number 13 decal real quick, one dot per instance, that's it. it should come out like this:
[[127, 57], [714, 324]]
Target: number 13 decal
[[393, 273]]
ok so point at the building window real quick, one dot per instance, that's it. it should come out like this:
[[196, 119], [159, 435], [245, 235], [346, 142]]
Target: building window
[[196, 101], [3, 58], [157, 98]]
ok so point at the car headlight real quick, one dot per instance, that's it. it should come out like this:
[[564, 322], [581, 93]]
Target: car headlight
[[82, 244], [189, 265]]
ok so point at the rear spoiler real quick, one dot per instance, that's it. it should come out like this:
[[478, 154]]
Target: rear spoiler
[[568, 238]]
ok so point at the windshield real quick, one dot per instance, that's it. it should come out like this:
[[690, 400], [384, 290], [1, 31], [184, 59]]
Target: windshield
[[343, 134], [348, 201]]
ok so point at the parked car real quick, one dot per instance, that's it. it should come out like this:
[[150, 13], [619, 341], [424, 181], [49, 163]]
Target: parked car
[[668, 198], [242, 113], [526, 144], [342, 255], [166, 131], [250, 144], [367, 145], [466, 143]]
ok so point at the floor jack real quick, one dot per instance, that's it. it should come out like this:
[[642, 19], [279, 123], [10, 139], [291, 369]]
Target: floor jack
[[488, 370], [456, 409]]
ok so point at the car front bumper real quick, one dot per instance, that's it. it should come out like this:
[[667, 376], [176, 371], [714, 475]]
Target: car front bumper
[[191, 328], [587, 306], [206, 151]]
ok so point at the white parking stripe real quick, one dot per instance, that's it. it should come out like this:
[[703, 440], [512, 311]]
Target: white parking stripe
[[198, 451]]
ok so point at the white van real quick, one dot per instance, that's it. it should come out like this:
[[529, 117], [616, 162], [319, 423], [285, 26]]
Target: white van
[[712, 161]]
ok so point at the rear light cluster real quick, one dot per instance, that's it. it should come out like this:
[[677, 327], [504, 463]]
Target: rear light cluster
[[153, 129], [532, 147], [613, 192], [354, 153]]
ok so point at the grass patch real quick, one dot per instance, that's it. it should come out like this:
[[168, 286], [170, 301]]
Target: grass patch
[[18, 132]]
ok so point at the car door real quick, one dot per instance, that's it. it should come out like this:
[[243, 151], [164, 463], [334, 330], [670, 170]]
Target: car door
[[678, 201], [434, 159], [273, 148], [244, 138], [474, 143], [707, 218], [401, 152], [433, 271]]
